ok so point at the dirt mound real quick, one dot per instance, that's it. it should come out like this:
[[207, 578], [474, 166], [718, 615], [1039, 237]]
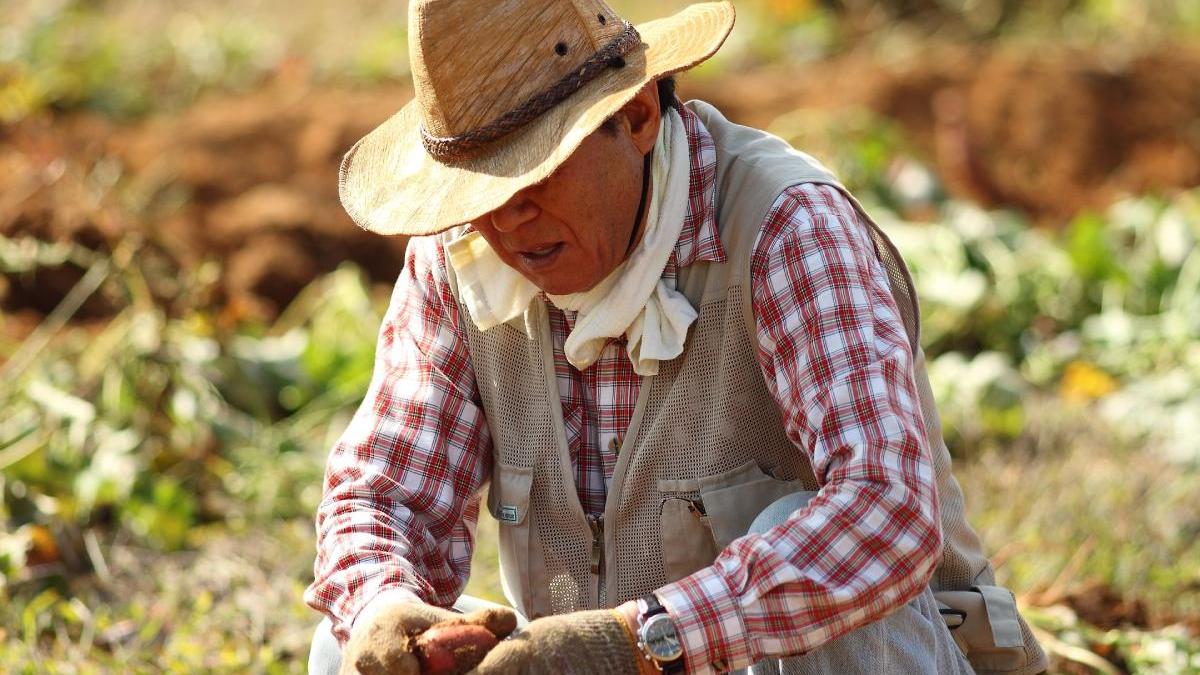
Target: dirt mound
[[51, 197], [1104, 607], [251, 180], [261, 174], [1050, 131]]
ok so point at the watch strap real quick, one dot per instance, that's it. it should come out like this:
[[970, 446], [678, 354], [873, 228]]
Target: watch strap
[[673, 667], [653, 608]]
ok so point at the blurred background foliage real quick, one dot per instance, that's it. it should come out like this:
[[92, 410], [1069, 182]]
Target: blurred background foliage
[[189, 320], [129, 57]]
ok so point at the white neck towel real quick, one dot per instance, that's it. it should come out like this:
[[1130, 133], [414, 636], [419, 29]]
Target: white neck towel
[[633, 300]]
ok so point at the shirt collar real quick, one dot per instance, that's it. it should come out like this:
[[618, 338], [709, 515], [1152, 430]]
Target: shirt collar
[[699, 241]]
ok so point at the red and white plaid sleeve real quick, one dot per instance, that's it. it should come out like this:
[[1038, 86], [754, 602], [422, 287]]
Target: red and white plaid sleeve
[[402, 484], [835, 356]]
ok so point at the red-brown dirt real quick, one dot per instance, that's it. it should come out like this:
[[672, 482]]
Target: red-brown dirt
[[1048, 132], [251, 180], [1106, 608]]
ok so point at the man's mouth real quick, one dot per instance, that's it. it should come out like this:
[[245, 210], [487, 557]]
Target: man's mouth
[[541, 257]]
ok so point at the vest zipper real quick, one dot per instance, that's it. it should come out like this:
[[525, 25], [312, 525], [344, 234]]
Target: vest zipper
[[596, 523]]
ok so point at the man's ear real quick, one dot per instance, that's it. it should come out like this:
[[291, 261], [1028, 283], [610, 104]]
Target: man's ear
[[642, 115]]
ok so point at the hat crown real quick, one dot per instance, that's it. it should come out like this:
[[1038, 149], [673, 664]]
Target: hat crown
[[473, 61]]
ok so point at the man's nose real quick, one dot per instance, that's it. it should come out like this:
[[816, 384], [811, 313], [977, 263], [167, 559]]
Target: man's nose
[[515, 212]]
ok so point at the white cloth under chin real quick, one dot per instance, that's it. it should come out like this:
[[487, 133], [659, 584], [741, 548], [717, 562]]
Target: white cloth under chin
[[634, 300]]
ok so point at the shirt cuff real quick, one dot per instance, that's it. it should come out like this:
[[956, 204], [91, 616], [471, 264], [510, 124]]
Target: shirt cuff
[[708, 619]]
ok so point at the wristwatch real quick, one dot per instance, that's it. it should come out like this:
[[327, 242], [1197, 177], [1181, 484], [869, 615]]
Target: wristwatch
[[657, 637]]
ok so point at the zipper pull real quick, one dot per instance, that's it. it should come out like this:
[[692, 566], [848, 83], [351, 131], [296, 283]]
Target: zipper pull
[[597, 525]]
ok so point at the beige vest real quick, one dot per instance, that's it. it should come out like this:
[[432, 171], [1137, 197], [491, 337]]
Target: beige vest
[[706, 448]]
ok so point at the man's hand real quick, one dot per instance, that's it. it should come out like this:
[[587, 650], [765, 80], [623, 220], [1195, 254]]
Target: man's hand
[[597, 641], [392, 640]]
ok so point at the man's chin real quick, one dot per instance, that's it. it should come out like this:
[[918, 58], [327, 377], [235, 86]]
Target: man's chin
[[561, 286], [561, 290]]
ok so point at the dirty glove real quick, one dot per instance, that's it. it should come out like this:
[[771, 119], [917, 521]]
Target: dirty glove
[[383, 643], [596, 641]]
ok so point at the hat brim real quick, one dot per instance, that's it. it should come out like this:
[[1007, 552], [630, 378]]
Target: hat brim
[[390, 185]]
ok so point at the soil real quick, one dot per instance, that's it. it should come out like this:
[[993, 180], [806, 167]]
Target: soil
[[250, 180], [1106, 608], [1049, 132]]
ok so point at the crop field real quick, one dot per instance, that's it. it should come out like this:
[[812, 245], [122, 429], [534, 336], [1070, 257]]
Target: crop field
[[188, 318]]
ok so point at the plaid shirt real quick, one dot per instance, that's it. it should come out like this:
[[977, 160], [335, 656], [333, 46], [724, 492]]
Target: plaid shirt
[[402, 487]]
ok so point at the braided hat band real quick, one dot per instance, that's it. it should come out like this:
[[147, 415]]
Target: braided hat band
[[611, 55]]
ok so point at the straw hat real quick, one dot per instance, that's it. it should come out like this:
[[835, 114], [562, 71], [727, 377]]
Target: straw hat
[[505, 92]]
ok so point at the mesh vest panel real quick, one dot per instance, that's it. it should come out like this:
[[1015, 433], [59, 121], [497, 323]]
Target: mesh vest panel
[[707, 412]]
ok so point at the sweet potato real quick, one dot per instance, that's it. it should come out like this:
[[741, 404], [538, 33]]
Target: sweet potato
[[453, 647]]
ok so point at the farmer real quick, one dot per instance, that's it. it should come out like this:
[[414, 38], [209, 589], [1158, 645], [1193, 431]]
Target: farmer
[[677, 354]]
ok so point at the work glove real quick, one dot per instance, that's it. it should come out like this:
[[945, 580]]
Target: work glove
[[383, 644], [596, 641]]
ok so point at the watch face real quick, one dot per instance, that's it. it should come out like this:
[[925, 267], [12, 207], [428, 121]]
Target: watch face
[[659, 635]]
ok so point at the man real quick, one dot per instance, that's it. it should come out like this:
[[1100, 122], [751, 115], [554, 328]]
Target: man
[[678, 355]]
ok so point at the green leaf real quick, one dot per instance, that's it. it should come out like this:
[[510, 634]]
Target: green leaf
[[1091, 255]]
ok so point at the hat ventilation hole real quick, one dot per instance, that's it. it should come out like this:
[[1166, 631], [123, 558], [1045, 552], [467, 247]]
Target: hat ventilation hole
[[560, 49], [603, 19]]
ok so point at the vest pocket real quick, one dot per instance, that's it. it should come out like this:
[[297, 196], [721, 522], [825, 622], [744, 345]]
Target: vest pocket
[[700, 517], [987, 628], [687, 538], [508, 502], [508, 496], [735, 498]]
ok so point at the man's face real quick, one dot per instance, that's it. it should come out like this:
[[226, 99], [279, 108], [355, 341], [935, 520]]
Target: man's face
[[567, 233]]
